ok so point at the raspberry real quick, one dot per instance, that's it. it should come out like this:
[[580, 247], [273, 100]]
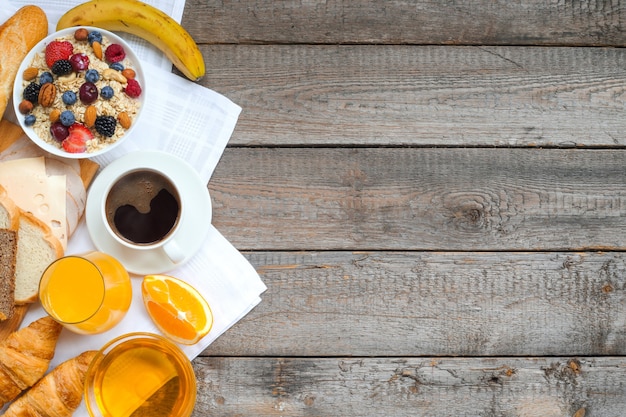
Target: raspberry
[[31, 92], [62, 67], [133, 89], [114, 53], [105, 125]]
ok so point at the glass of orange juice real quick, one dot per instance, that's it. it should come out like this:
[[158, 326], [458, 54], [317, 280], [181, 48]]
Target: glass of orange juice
[[140, 375], [88, 293]]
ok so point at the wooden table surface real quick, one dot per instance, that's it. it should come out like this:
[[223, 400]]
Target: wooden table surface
[[434, 193]]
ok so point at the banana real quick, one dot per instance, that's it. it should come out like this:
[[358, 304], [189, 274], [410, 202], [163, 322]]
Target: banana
[[145, 21]]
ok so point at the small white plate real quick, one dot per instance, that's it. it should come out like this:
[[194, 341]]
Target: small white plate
[[194, 229]]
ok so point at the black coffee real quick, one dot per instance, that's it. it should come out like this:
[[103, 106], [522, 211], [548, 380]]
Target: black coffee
[[142, 207]]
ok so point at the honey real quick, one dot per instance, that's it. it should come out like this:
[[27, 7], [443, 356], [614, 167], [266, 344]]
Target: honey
[[138, 375]]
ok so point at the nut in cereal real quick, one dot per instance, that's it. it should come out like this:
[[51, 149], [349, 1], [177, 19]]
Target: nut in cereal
[[47, 94]]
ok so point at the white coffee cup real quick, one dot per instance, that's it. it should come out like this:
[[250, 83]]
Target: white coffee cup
[[185, 233], [142, 209]]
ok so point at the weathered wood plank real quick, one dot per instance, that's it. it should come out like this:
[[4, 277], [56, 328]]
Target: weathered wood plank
[[421, 199], [433, 95], [434, 303], [350, 387], [529, 22]]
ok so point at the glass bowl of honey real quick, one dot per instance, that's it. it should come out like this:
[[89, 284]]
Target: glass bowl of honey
[[140, 374]]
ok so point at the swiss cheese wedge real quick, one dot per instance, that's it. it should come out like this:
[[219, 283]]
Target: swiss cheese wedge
[[27, 184]]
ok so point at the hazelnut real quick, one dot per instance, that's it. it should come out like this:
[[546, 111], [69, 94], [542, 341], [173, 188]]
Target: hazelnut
[[81, 34], [25, 107]]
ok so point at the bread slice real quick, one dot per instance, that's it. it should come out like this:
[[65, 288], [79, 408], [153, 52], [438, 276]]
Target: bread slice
[[8, 255], [37, 247], [9, 213]]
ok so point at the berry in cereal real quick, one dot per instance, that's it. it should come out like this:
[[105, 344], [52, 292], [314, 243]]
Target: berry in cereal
[[114, 53], [57, 50]]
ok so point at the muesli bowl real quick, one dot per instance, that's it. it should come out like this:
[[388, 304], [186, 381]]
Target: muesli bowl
[[89, 109]]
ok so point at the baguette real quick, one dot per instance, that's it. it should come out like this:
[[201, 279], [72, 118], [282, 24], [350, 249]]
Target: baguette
[[18, 35]]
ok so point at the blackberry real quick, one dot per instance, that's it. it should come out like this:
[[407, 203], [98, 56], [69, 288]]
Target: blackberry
[[62, 67], [105, 125], [31, 92]]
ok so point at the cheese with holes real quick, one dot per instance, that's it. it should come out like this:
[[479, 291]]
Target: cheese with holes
[[28, 185]]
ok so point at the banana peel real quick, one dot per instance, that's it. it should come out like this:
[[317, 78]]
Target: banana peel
[[145, 21]]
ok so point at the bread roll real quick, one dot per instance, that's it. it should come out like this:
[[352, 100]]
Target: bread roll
[[18, 35]]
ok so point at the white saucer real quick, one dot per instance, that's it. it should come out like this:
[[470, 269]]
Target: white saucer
[[194, 229]]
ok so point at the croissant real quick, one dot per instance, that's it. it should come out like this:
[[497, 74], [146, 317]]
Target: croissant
[[25, 356], [58, 394]]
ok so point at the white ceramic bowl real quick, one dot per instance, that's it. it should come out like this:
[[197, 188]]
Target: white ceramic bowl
[[18, 88]]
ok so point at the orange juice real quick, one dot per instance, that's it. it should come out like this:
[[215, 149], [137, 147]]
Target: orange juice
[[88, 293], [140, 374]]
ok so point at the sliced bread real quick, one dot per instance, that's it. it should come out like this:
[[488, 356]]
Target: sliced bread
[[37, 247], [9, 213], [8, 255]]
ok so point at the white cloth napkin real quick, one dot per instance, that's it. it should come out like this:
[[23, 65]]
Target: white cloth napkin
[[194, 123]]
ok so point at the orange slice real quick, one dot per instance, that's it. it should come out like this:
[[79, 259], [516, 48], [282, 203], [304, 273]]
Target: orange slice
[[176, 308]]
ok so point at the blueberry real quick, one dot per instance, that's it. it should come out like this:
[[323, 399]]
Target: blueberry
[[67, 118], [94, 36], [117, 66], [106, 92], [30, 120], [92, 75], [45, 77], [69, 98]]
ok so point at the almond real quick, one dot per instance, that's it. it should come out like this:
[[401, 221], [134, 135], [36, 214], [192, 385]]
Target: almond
[[97, 49], [90, 116], [129, 73], [25, 107], [47, 94], [124, 120], [30, 73], [55, 114]]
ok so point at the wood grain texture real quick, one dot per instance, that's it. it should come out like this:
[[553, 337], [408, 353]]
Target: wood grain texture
[[401, 178], [421, 199], [529, 22], [422, 96], [442, 387], [434, 303]]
